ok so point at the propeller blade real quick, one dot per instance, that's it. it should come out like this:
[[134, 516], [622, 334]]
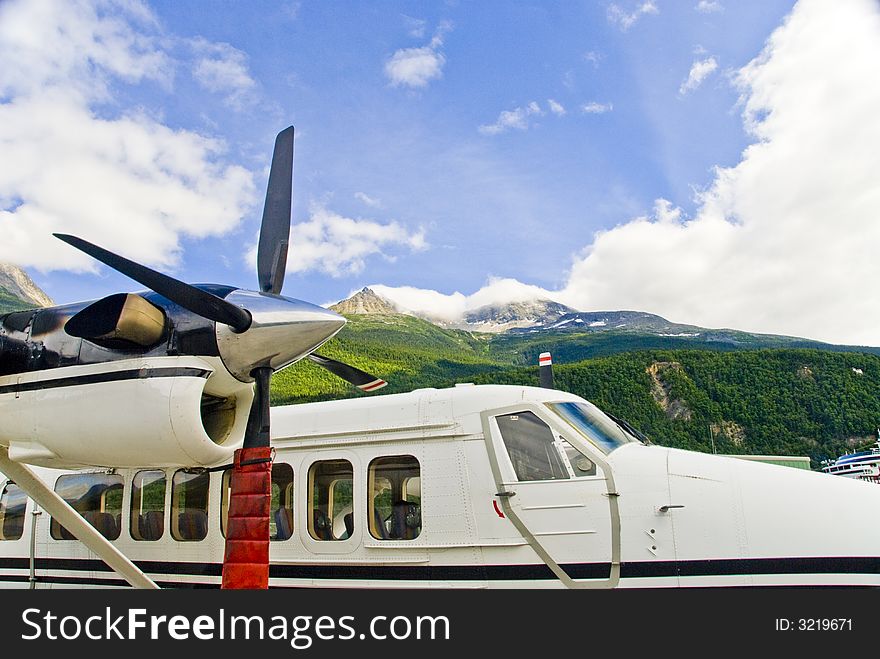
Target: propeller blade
[[361, 379], [275, 228], [189, 297]]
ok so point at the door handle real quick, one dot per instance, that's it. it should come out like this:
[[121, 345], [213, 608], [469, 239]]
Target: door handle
[[668, 506], [506, 493]]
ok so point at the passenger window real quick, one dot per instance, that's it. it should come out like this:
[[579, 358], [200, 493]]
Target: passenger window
[[395, 498], [281, 517], [13, 502], [331, 513], [97, 497], [189, 505], [148, 505], [531, 447]]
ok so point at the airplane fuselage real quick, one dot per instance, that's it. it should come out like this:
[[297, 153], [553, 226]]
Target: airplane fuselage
[[470, 487]]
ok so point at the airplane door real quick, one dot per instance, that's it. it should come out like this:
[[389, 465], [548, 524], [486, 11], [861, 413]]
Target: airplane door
[[558, 494]]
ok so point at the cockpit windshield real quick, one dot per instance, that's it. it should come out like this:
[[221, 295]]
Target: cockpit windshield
[[593, 424]]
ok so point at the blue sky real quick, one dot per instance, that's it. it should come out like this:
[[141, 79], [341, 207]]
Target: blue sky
[[452, 153]]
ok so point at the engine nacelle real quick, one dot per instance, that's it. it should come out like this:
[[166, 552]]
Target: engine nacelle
[[150, 412]]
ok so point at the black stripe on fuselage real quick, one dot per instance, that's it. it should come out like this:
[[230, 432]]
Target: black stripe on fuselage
[[755, 566], [700, 568], [110, 376]]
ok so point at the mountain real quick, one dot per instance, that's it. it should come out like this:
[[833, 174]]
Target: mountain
[[492, 318], [18, 291], [641, 323], [529, 327], [365, 301], [513, 316], [602, 321]]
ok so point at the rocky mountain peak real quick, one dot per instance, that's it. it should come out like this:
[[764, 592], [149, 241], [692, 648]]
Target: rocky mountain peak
[[365, 301], [17, 282]]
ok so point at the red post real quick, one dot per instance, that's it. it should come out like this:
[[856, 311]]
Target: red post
[[246, 559]]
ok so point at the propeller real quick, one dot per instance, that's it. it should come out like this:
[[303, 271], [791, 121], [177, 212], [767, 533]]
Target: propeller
[[272, 251], [270, 333]]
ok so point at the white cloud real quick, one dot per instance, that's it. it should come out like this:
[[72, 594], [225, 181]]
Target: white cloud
[[700, 70], [626, 19], [126, 181], [556, 107], [415, 27], [520, 118], [366, 199], [338, 245], [222, 69], [593, 57], [451, 307], [708, 6], [517, 118], [416, 67], [77, 47], [785, 241], [596, 108]]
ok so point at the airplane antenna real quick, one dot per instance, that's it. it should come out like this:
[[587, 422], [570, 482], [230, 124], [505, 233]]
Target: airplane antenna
[[545, 370]]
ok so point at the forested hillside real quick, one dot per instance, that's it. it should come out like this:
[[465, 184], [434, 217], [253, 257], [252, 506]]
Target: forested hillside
[[765, 401], [771, 402], [407, 352]]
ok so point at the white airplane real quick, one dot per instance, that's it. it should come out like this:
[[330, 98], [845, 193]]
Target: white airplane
[[136, 452]]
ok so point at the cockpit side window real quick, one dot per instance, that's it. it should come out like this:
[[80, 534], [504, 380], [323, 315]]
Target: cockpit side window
[[580, 464], [531, 446], [12, 505]]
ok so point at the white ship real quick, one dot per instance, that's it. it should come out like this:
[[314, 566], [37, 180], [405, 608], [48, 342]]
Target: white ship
[[863, 465]]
